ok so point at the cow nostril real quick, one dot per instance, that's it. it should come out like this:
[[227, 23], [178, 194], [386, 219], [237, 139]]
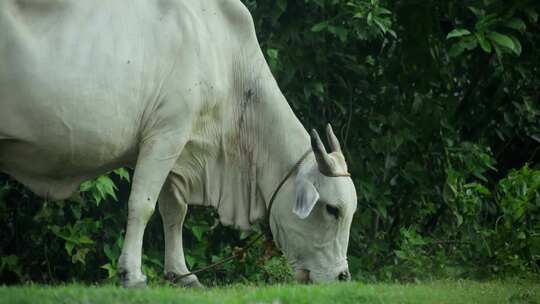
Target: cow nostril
[[344, 276]]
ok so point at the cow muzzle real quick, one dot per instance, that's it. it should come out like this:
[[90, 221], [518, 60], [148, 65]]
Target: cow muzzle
[[344, 276], [305, 276]]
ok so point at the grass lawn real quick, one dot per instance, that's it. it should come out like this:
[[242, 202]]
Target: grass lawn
[[433, 292]]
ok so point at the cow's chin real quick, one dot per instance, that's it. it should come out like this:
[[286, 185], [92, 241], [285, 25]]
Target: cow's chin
[[302, 276]]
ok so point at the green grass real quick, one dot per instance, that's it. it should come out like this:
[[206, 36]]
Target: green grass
[[434, 292]]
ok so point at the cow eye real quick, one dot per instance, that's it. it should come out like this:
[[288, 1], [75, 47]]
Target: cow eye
[[332, 210]]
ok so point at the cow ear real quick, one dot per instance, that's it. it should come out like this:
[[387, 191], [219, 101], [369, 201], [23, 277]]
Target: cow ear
[[306, 198]]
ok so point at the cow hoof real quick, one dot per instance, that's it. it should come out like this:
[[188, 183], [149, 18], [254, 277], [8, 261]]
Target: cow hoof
[[187, 282], [132, 281], [136, 285], [194, 284]]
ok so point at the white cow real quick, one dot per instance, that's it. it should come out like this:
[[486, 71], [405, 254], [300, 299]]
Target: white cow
[[180, 91]]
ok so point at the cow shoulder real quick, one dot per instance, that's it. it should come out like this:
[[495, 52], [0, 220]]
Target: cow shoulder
[[238, 18], [236, 12]]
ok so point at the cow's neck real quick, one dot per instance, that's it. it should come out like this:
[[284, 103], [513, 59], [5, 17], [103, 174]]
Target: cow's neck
[[252, 148], [284, 142], [271, 142]]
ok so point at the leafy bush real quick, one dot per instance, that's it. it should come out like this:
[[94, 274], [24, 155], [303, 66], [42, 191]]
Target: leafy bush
[[517, 230]]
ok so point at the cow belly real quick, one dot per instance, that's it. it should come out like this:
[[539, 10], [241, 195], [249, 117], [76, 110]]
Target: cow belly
[[48, 128], [47, 187], [58, 161], [56, 131], [36, 171], [53, 174]]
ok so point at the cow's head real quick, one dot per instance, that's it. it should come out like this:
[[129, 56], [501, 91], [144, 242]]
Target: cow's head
[[312, 218]]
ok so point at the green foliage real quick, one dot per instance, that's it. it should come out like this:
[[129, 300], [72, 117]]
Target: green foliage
[[437, 107], [485, 33], [56, 240], [518, 228], [434, 106]]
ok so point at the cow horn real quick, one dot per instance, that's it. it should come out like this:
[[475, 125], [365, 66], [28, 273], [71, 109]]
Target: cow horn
[[332, 164], [323, 159], [332, 139]]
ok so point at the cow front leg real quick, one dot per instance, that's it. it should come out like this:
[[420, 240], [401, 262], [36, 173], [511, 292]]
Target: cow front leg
[[173, 212], [155, 160]]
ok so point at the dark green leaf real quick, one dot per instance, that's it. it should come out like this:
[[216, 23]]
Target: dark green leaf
[[319, 26], [122, 173], [517, 45], [503, 41], [458, 33], [484, 43], [516, 24]]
